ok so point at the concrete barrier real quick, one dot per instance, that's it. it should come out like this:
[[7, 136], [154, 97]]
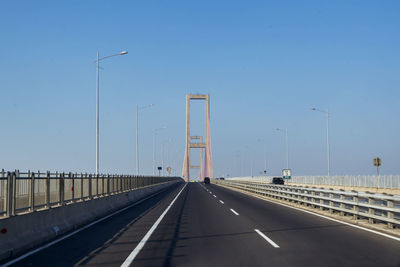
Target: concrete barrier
[[21, 233]]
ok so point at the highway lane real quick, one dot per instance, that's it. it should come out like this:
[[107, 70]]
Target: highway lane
[[306, 239], [215, 226], [208, 225], [104, 243]]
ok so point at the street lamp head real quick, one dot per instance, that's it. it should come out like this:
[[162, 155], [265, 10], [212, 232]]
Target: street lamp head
[[123, 53]]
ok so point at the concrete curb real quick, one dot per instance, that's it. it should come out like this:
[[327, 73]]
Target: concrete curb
[[27, 231]]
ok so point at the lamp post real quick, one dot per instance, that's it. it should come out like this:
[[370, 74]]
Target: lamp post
[[163, 154], [154, 148], [265, 154], [137, 134], [287, 145], [327, 137], [97, 103]]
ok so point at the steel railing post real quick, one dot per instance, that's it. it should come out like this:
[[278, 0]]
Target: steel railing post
[[47, 189], [390, 214], [4, 189], [72, 177], [10, 194], [90, 186], [97, 185], [82, 184], [32, 192], [331, 205], [341, 205], [102, 185], [355, 207], [62, 188], [108, 184]]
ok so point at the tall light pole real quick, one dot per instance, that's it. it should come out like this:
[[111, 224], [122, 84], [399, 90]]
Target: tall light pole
[[162, 154], [327, 137], [97, 103], [137, 134], [265, 154], [287, 145], [265, 158], [154, 147]]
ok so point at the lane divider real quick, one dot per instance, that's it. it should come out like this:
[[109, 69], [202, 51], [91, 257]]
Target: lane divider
[[266, 238], [221, 202], [144, 240], [234, 212], [214, 195]]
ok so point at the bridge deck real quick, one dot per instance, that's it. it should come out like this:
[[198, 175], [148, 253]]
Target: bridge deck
[[218, 229]]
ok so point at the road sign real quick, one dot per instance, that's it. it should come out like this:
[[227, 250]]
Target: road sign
[[287, 173], [159, 170], [377, 162], [169, 170]]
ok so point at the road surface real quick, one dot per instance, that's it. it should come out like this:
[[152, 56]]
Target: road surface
[[208, 225]]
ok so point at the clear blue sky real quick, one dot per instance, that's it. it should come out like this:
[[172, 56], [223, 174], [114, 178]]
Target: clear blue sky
[[264, 64]]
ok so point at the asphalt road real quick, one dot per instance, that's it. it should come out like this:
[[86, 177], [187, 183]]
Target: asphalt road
[[208, 225]]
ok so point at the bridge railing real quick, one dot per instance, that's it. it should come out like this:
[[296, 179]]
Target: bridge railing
[[373, 181], [29, 191], [375, 208]]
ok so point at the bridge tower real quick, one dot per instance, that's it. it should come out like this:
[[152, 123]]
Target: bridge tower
[[207, 165]]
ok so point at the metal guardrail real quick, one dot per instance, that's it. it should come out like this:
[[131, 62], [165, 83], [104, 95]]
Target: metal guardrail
[[360, 205], [373, 181], [22, 192]]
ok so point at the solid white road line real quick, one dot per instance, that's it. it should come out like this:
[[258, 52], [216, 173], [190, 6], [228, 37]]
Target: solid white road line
[[141, 244], [75, 232], [234, 212], [221, 202], [266, 238]]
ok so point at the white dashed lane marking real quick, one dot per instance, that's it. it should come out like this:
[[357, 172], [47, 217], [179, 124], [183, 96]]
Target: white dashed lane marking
[[266, 238], [234, 212]]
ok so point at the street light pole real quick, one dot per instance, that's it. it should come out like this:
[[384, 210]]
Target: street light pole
[[97, 116], [287, 146], [327, 138], [137, 139], [265, 157], [327, 143], [137, 135], [287, 150], [163, 154], [97, 105], [154, 148]]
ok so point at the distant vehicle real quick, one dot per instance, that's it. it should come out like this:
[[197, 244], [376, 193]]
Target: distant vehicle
[[278, 180], [206, 180], [222, 178]]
